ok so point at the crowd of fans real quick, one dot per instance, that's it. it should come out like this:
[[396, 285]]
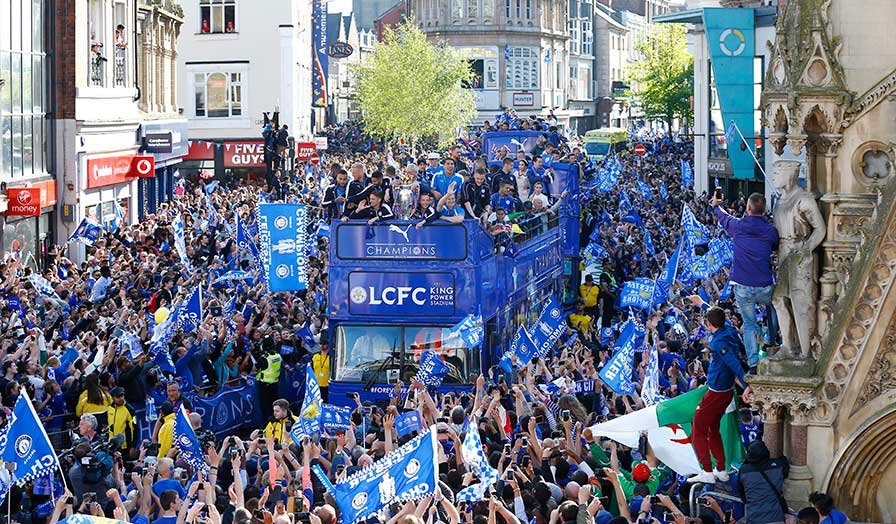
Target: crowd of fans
[[65, 348]]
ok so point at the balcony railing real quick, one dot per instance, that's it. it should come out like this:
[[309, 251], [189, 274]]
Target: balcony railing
[[97, 70], [120, 67]]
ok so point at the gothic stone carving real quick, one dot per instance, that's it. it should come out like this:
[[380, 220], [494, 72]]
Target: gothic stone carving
[[882, 376]]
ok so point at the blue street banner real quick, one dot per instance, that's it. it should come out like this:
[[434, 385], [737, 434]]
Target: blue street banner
[[282, 242], [401, 294], [432, 370], [87, 233], [319, 59], [731, 40], [400, 241], [523, 347], [638, 293], [687, 174], [617, 372], [407, 473], [187, 444], [407, 423], [549, 328], [336, 418], [309, 418], [229, 409], [24, 442]]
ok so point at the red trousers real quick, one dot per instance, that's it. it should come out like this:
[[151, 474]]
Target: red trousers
[[705, 433]]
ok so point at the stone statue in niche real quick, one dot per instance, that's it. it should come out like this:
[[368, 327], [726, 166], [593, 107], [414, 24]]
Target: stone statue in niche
[[801, 228]]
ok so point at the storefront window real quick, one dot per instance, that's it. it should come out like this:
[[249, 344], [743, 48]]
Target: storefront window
[[22, 95], [23, 238]]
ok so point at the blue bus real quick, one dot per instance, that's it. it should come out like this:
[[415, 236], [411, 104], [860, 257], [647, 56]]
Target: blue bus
[[395, 291]]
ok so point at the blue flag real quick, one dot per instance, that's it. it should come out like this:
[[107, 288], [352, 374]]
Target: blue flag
[[664, 193], [638, 293], [731, 135], [523, 347], [648, 243], [664, 282], [24, 442], [408, 473], [408, 423], [696, 233], [632, 217], [594, 251], [650, 389], [304, 333], [180, 242], [617, 372], [87, 232], [720, 254], [701, 292], [432, 369], [644, 189], [186, 442], [549, 328], [42, 285], [606, 179], [312, 408], [470, 330], [189, 313], [687, 174], [158, 344], [336, 418], [231, 278], [726, 291], [474, 457], [130, 344]]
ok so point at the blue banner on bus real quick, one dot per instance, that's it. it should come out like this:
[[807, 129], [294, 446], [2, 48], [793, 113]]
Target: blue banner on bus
[[405, 294], [400, 242]]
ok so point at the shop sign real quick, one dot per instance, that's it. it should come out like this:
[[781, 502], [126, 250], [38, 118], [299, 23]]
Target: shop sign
[[108, 171], [304, 150], [158, 142], [143, 166], [244, 154], [339, 49], [321, 142], [524, 99], [23, 202]]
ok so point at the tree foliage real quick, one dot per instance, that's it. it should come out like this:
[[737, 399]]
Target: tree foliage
[[662, 80], [411, 88]]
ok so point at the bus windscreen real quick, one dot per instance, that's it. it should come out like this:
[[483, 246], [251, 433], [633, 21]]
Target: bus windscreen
[[384, 351]]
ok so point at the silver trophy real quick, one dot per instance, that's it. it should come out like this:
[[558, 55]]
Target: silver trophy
[[407, 201]]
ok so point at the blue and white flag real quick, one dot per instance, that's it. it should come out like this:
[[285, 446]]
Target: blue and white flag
[[650, 389], [549, 328], [731, 135], [213, 217], [24, 442], [664, 282], [720, 254], [410, 472], [180, 242], [594, 251], [87, 233], [336, 418], [231, 278], [43, 286], [633, 217], [187, 444], [304, 334], [210, 187], [696, 232], [664, 193], [638, 293], [726, 291], [312, 408], [644, 189], [522, 347], [648, 243], [227, 311], [158, 344], [432, 369], [471, 449], [117, 218], [323, 229], [407, 423], [189, 312], [607, 179], [130, 344], [470, 330], [282, 244], [687, 174], [617, 372]]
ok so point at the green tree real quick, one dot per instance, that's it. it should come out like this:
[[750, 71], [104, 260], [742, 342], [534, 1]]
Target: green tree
[[662, 80], [412, 88]]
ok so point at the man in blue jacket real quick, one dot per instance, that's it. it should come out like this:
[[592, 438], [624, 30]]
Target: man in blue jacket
[[724, 370]]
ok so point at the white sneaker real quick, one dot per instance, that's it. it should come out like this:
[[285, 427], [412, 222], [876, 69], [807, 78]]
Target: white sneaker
[[722, 476], [704, 477]]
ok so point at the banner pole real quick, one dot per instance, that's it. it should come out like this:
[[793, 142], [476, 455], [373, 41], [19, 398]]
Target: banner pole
[[755, 160]]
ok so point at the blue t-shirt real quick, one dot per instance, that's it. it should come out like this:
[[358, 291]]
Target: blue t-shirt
[[432, 172], [166, 520], [441, 182], [836, 517], [749, 433], [165, 485], [507, 202], [453, 212]]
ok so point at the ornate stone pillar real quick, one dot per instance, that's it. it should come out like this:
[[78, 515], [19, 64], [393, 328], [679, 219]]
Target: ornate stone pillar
[[798, 485], [773, 432]]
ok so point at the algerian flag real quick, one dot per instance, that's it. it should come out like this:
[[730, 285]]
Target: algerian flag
[[668, 427]]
